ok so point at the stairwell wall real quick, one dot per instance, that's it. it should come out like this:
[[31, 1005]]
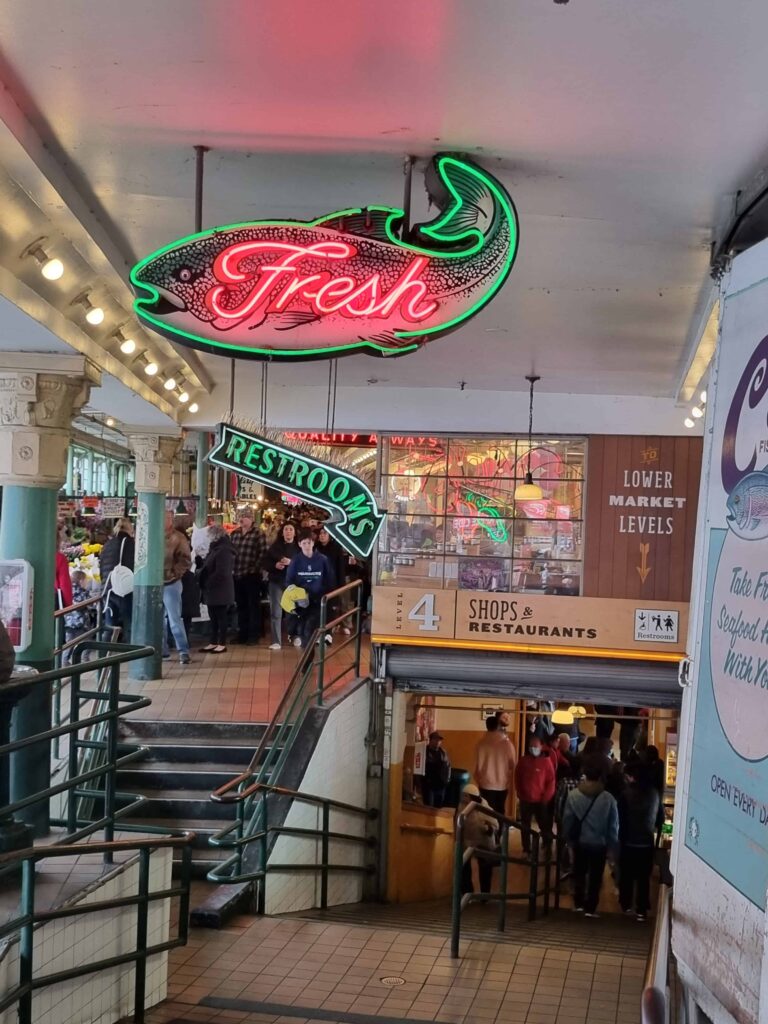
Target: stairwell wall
[[338, 770]]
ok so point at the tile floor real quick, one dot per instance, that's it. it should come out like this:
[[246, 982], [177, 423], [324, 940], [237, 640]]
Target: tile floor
[[292, 971], [244, 684]]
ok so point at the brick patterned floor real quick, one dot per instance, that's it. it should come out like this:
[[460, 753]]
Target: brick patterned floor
[[244, 684], [281, 971]]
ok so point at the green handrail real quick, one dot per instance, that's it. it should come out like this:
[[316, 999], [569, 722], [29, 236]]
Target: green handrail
[[462, 855], [30, 917], [309, 687], [82, 772]]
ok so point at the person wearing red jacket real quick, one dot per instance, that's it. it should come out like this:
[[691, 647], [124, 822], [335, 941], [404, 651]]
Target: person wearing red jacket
[[535, 784]]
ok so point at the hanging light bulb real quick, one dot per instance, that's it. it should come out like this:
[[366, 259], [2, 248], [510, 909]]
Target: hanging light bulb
[[703, 397], [528, 490], [689, 422], [110, 422], [696, 412], [51, 267], [170, 384], [184, 397], [95, 315], [194, 407], [128, 346], [151, 369]]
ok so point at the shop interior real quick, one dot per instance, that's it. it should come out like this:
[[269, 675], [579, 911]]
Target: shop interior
[[421, 837], [456, 517]]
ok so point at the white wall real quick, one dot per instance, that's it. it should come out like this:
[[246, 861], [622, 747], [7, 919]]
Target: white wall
[[104, 996], [451, 411], [338, 770]]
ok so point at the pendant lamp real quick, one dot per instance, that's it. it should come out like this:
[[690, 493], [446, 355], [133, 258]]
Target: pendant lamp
[[528, 490]]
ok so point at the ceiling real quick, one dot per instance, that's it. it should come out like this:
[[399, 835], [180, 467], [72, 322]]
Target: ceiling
[[621, 130]]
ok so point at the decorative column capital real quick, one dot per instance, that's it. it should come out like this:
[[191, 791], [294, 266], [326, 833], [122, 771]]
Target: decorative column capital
[[39, 398], [154, 454]]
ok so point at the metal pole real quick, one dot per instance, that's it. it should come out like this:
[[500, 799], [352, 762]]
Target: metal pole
[[27, 940], [534, 877], [324, 853], [503, 877], [321, 650], [458, 869], [408, 172], [200, 152], [142, 912], [261, 904], [358, 629], [110, 779]]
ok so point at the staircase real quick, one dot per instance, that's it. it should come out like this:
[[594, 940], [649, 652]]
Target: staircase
[[185, 761]]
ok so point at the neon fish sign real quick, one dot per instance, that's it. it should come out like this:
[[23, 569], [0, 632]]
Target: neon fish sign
[[342, 283]]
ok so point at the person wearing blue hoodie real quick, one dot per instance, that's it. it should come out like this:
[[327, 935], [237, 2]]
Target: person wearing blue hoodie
[[312, 571], [591, 826]]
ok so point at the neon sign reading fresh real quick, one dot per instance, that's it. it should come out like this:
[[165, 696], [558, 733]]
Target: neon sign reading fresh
[[342, 283], [355, 519]]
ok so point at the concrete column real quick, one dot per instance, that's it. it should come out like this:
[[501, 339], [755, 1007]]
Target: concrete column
[[154, 454], [38, 399], [202, 479], [69, 485]]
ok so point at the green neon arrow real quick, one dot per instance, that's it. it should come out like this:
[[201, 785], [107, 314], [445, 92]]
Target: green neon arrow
[[355, 519]]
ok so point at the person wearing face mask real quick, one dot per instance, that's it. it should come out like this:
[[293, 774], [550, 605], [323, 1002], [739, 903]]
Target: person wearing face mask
[[276, 562], [535, 783]]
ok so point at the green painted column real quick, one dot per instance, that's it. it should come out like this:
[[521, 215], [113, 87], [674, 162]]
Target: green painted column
[[28, 531], [154, 455], [201, 518], [39, 398], [148, 617]]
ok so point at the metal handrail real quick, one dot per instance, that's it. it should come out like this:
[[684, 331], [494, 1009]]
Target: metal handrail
[[302, 693], [62, 646], [29, 917], [79, 773], [463, 855], [262, 833], [654, 1005]]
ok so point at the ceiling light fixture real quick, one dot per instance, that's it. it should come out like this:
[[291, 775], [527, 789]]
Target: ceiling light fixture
[[696, 412], [689, 423], [184, 397], [151, 368], [170, 384], [703, 397], [528, 490], [110, 422], [128, 346], [194, 407], [50, 266], [93, 314]]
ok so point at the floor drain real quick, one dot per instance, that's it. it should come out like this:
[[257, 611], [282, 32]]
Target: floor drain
[[392, 982]]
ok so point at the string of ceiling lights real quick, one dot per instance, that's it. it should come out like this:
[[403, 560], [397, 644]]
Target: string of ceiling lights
[[697, 412], [53, 269]]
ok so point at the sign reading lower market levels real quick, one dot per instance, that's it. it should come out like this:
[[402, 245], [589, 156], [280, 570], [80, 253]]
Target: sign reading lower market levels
[[355, 519], [351, 281]]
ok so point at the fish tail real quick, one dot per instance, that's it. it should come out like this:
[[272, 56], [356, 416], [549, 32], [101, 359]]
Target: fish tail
[[474, 206]]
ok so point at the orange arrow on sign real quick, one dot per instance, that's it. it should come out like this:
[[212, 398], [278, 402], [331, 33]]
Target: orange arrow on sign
[[643, 569]]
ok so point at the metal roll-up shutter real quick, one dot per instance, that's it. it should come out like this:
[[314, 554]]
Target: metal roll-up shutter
[[536, 676]]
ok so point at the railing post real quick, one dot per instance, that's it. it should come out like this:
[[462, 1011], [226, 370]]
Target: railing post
[[27, 940], [558, 867], [110, 775], [142, 913], [261, 902], [534, 877], [321, 650], [72, 768], [358, 628], [503, 877], [458, 870], [324, 853], [58, 642], [186, 882], [547, 870]]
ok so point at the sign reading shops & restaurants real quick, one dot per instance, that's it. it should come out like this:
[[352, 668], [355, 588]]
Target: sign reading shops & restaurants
[[355, 519]]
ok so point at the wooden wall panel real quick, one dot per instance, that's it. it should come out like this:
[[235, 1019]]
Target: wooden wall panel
[[641, 550]]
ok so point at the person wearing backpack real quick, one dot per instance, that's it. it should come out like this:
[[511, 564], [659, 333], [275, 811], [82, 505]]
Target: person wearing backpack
[[116, 567], [591, 826]]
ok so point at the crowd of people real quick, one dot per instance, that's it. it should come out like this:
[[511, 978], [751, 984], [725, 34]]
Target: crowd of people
[[293, 569], [602, 809]]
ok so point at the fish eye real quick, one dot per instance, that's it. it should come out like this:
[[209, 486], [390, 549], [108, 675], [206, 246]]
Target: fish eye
[[184, 275]]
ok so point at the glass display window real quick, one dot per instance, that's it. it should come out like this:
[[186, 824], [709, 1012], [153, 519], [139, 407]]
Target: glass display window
[[453, 520]]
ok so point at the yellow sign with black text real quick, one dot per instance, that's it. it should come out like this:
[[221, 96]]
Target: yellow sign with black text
[[469, 618]]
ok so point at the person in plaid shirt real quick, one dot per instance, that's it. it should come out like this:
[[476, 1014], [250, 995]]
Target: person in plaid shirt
[[250, 547]]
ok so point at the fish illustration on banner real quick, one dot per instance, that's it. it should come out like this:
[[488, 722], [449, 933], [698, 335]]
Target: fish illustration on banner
[[343, 283]]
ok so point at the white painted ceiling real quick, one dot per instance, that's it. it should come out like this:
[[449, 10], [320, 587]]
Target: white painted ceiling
[[619, 127]]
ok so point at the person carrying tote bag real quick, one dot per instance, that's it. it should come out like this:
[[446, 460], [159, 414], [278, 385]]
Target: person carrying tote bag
[[116, 564]]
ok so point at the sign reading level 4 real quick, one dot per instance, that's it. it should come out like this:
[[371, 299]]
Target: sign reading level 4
[[524, 620], [355, 520]]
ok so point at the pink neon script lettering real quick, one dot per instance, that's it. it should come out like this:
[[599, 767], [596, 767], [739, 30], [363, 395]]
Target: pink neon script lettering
[[324, 293]]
